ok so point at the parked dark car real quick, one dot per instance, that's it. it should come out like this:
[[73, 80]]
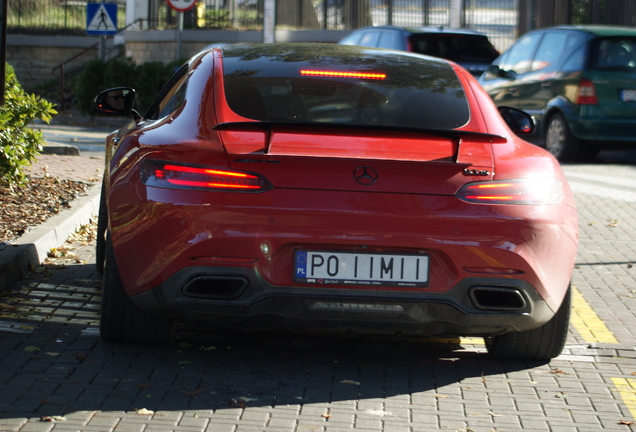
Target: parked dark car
[[579, 82], [470, 49]]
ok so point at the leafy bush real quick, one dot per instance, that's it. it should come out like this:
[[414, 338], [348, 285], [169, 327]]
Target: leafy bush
[[19, 144], [89, 84]]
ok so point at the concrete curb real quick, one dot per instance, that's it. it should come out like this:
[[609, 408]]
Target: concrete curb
[[32, 248]]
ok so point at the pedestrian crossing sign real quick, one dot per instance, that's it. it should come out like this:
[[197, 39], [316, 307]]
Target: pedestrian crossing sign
[[101, 19]]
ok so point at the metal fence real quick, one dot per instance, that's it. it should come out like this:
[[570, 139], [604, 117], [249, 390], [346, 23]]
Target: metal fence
[[59, 17], [502, 20]]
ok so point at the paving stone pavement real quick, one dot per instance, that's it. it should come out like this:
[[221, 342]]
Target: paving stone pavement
[[56, 374]]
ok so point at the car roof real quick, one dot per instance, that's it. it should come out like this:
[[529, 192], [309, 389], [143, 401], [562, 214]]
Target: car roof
[[436, 30], [598, 30]]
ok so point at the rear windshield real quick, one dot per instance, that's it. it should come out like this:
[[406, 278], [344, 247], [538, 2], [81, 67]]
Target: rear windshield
[[458, 48], [342, 84], [614, 54]]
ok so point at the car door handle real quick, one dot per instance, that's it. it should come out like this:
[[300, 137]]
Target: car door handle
[[545, 85]]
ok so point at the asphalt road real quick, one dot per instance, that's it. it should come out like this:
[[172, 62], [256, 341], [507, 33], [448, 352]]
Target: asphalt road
[[53, 363]]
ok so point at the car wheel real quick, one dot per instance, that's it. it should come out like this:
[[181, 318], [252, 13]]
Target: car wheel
[[102, 224], [559, 140], [121, 320], [542, 343]]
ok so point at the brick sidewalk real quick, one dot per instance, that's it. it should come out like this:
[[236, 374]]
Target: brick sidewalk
[[86, 169]]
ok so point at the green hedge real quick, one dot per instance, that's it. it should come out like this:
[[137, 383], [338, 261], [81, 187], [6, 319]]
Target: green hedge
[[147, 79]]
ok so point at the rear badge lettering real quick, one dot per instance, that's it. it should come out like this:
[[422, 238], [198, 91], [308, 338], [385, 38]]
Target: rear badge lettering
[[474, 172]]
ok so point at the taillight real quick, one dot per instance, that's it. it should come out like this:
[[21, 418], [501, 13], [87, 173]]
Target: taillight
[[525, 191], [184, 176], [585, 93]]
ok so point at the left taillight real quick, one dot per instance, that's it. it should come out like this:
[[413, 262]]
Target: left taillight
[[519, 192], [173, 175], [585, 93]]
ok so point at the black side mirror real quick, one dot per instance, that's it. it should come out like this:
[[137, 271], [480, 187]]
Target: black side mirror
[[117, 101], [519, 121], [495, 70]]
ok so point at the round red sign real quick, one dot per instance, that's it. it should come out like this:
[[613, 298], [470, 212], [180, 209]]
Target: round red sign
[[181, 5]]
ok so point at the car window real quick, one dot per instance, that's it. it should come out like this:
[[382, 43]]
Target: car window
[[387, 40], [519, 56], [369, 39], [575, 61], [171, 97], [344, 88], [615, 54], [460, 48], [352, 39], [550, 49]]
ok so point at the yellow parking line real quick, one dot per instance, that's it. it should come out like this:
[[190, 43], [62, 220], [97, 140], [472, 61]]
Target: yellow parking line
[[587, 323], [627, 389]]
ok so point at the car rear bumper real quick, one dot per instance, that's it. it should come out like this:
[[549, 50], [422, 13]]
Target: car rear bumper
[[229, 296]]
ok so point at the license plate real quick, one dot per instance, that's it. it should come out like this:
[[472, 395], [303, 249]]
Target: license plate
[[628, 95], [361, 269]]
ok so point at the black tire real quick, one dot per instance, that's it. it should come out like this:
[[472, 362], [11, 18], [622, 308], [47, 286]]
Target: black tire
[[559, 140], [121, 320], [102, 225], [542, 343]]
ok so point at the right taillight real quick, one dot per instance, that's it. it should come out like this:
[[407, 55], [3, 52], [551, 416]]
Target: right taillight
[[519, 192], [585, 93]]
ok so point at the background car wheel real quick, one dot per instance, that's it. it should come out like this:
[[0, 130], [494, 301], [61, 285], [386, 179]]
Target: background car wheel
[[542, 343], [121, 320], [102, 224], [559, 140]]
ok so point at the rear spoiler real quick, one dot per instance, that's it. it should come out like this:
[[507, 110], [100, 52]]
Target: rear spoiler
[[301, 127]]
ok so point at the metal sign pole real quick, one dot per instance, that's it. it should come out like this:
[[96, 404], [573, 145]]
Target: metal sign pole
[[179, 31]]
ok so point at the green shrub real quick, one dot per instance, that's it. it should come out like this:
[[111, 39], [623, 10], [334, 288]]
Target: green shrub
[[147, 79], [90, 82], [19, 144]]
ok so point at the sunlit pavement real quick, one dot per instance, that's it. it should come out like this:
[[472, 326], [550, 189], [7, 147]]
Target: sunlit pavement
[[57, 374]]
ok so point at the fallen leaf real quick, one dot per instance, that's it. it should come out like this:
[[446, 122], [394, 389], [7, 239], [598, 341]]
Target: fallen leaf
[[442, 396], [558, 371], [349, 382], [32, 349], [185, 362], [326, 415], [613, 223], [144, 411], [560, 395], [143, 386], [626, 422], [591, 223], [234, 402], [493, 414], [52, 418], [632, 373], [52, 354], [6, 306]]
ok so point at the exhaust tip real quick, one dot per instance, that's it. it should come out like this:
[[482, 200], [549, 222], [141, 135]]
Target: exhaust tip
[[497, 298], [215, 287]]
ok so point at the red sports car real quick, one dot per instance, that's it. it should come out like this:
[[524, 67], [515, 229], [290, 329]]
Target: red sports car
[[333, 188]]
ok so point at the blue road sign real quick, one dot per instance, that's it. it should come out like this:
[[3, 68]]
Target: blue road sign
[[101, 19]]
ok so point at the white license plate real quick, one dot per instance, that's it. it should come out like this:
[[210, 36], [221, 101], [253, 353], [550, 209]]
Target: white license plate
[[361, 269], [628, 95]]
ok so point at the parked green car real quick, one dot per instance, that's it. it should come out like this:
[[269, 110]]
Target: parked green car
[[579, 83]]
